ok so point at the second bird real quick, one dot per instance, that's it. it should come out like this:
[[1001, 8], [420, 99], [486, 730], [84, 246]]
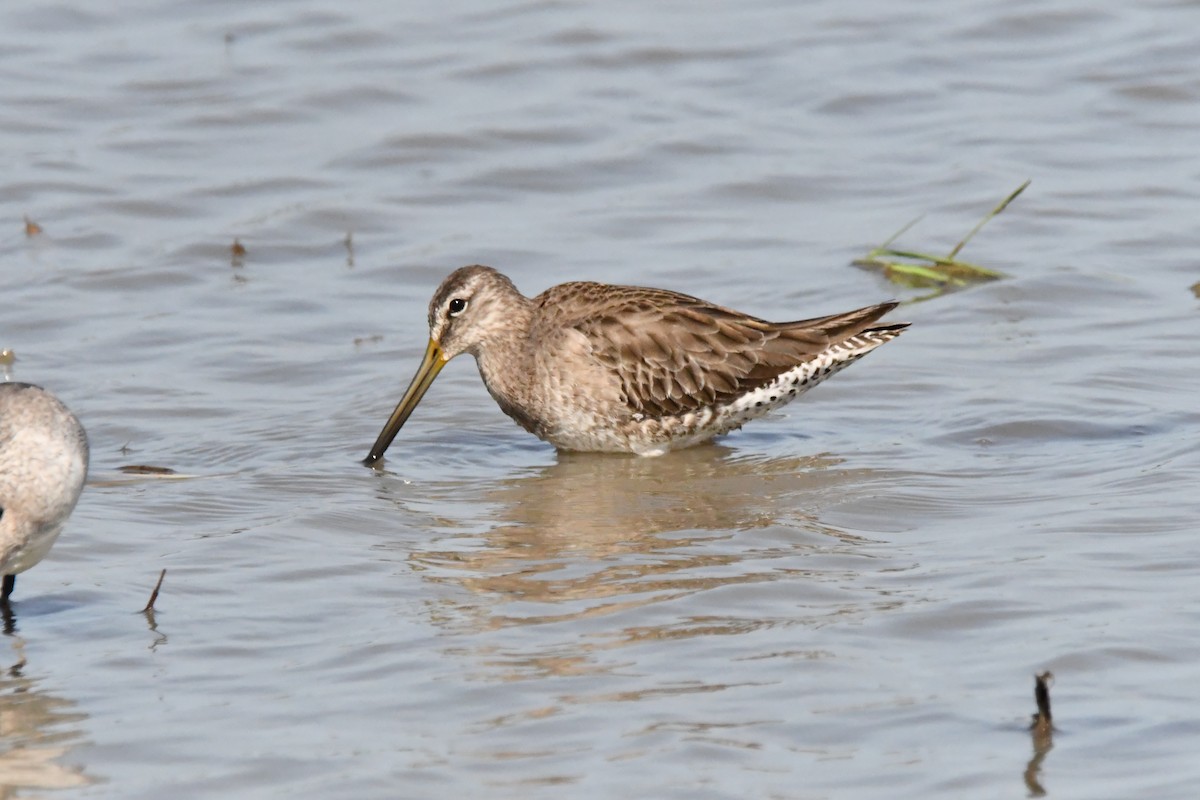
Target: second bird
[[626, 369], [43, 464]]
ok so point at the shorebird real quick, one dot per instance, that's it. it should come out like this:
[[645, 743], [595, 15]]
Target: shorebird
[[43, 463], [627, 369]]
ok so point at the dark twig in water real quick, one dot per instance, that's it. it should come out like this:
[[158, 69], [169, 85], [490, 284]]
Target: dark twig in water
[[154, 595], [1042, 732], [1041, 693]]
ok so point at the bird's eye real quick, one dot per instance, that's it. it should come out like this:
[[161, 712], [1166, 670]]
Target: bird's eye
[[457, 306]]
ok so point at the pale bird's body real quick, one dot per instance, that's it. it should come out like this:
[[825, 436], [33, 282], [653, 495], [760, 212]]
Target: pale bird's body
[[626, 369], [43, 464]]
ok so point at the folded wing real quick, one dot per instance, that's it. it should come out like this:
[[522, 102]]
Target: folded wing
[[674, 353]]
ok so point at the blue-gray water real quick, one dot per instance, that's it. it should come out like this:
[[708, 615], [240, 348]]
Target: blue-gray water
[[846, 600]]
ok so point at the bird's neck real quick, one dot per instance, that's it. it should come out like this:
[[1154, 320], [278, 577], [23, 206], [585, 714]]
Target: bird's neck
[[506, 361]]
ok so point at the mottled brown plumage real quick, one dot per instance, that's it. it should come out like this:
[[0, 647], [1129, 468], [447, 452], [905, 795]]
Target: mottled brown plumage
[[592, 366]]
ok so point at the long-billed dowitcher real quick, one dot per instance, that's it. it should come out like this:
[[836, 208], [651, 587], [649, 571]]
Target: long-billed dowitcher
[[43, 463], [595, 367]]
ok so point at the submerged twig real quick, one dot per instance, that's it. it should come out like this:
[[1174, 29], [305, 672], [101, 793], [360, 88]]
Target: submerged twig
[[154, 595]]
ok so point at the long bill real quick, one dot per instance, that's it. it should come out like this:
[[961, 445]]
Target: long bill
[[431, 365]]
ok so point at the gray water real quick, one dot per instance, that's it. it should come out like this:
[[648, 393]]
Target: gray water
[[846, 600]]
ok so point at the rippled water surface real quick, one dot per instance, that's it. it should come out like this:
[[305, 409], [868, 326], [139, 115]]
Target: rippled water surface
[[845, 600]]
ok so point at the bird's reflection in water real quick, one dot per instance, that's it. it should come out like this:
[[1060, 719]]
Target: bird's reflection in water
[[594, 534], [37, 731]]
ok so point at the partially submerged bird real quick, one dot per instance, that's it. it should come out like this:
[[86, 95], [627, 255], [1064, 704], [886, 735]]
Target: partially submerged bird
[[43, 463], [626, 369]]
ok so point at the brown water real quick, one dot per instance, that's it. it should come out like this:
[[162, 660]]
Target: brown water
[[846, 600]]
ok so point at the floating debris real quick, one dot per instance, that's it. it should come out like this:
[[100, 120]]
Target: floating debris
[[7, 357], [237, 254], [359, 341], [149, 609], [349, 243], [133, 474], [145, 469], [1041, 694], [917, 270], [1042, 732], [31, 228]]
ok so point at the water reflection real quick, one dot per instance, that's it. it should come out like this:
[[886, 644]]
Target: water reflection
[[595, 535], [1043, 743], [37, 730], [160, 638]]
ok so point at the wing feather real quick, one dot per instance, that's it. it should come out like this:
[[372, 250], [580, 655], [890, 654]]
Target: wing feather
[[673, 353]]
